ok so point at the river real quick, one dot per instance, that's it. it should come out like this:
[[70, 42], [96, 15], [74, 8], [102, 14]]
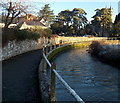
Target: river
[[91, 79]]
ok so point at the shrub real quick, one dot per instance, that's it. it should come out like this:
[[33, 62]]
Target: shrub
[[16, 34], [43, 32], [105, 54], [7, 35], [95, 48], [31, 34], [26, 34], [21, 34]]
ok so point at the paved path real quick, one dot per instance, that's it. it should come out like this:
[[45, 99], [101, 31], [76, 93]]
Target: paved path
[[20, 78]]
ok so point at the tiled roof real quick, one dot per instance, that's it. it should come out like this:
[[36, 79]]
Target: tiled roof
[[34, 23], [31, 20]]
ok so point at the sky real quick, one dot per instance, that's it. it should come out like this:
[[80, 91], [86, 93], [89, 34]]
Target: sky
[[59, 5], [89, 7]]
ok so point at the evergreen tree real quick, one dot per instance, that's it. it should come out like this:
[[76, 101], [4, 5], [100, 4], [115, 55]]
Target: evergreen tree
[[116, 26], [103, 20], [47, 14], [117, 18], [72, 21], [79, 19]]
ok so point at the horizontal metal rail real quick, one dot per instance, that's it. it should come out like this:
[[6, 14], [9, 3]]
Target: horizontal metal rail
[[64, 83], [47, 60], [68, 87]]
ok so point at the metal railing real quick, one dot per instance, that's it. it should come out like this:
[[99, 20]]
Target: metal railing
[[55, 73]]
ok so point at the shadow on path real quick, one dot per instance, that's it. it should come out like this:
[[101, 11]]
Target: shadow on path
[[20, 78]]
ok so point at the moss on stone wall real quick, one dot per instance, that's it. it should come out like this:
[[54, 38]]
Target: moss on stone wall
[[81, 45], [58, 50]]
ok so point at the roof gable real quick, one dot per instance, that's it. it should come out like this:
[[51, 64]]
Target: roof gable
[[34, 23]]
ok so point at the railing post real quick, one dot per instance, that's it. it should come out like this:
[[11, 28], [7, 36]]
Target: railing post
[[42, 62], [59, 44], [46, 50], [54, 46], [50, 47], [52, 88]]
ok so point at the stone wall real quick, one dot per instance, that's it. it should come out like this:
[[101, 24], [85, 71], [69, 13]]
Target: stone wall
[[14, 48]]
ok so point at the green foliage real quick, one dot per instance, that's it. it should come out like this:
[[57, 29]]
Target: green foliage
[[8, 35], [65, 16], [116, 29], [43, 32], [117, 19], [89, 29], [103, 20], [26, 34], [58, 27], [21, 34], [70, 22], [16, 34], [46, 13], [31, 34], [79, 18]]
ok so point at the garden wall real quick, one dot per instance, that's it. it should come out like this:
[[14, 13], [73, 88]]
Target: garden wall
[[14, 48]]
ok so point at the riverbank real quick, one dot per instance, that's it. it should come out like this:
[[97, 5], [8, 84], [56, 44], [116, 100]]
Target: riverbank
[[44, 72], [109, 54]]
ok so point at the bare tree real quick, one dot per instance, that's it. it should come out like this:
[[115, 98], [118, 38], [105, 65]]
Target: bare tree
[[13, 10]]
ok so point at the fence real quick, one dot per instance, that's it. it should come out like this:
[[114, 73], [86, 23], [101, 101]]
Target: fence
[[52, 73]]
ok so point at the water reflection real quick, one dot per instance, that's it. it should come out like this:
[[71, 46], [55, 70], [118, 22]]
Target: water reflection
[[91, 79]]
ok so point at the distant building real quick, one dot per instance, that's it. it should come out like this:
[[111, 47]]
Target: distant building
[[30, 21], [30, 24], [27, 17]]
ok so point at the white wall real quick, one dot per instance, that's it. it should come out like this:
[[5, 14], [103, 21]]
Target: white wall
[[11, 25]]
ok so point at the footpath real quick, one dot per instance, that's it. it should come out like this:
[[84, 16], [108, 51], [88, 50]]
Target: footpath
[[20, 78]]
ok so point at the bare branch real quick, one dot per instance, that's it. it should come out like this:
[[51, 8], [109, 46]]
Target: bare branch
[[13, 9]]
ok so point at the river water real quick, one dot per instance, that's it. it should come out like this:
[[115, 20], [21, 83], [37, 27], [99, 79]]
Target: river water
[[91, 79]]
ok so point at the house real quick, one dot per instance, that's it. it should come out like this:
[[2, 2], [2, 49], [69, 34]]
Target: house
[[31, 24], [42, 21], [26, 17], [30, 21]]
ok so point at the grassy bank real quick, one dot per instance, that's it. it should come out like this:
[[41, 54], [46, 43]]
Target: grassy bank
[[58, 50]]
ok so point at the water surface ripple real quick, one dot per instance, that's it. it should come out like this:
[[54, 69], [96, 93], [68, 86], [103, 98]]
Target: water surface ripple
[[91, 79]]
